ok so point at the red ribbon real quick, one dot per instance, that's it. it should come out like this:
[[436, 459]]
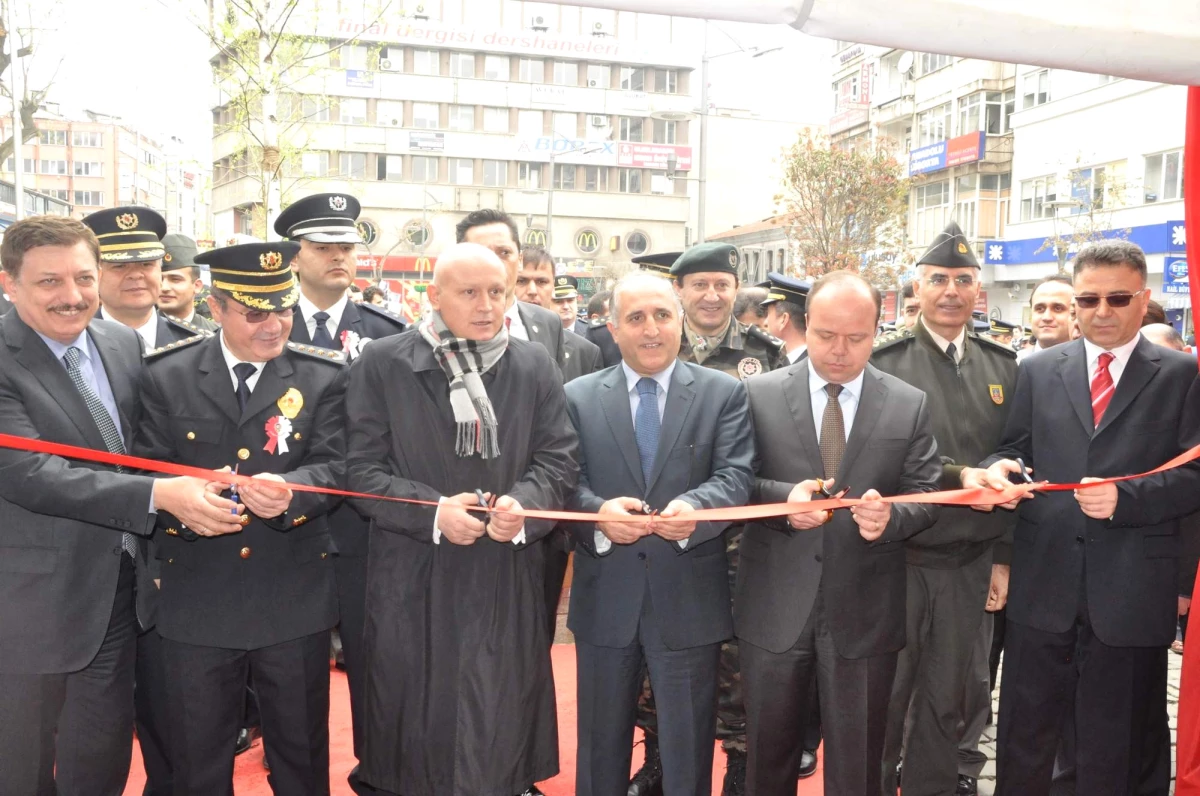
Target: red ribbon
[[953, 497]]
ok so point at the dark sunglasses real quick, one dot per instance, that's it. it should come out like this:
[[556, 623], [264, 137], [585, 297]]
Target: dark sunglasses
[[1114, 300]]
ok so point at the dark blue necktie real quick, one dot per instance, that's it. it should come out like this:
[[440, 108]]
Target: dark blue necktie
[[647, 425], [243, 371], [322, 337]]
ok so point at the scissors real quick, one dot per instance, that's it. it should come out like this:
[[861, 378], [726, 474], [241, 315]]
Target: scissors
[[485, 504], [1024, 473], [823, 490], [233, 492]]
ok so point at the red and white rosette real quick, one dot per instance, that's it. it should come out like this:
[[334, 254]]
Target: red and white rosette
[[278, 428]]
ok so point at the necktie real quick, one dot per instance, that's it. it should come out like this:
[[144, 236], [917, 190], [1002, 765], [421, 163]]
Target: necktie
[[833, 432], [507, 323], [322, 337], [104, 422], [243, 371], [952, 352], [647, 425], [1102, 387]]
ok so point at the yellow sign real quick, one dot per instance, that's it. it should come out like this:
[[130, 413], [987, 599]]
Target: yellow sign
[[423, 264], [535, 237], [587, 241]]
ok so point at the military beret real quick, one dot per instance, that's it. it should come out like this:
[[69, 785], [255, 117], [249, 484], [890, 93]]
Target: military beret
[[707, 258]]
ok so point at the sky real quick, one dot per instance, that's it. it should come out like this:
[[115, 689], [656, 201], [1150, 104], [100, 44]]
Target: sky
[[145, 61]]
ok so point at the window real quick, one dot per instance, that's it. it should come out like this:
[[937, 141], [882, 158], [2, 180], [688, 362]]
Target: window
[[391, 168], [529, 124], [462, 65], [87, 169], [87, 139], [425, 62], [1161, 181], [932, 205], [59, 193], [629, 180], [314, 109], [531, 70], [599, 75], [53, 137], [666, 81], [998, 111], [462, 171], [52, 167], [389, 113], [529, 175], [564, 177], [633, 78], [495, 173], [664, 131], [931, 62], [933, 125], [637, 243], [353, 111], [565, 125], [847, 92], [495, 120], [566, 73], [28, 166], [995, 182], [462, 117], [424, 169], [495, 67], [968, 114], [354, 56], [1035, 88], [630, 128], [1098, 187], [314, 164], [353, 165], [425, 115], [595, 178], [89, 198], [1035, 194]]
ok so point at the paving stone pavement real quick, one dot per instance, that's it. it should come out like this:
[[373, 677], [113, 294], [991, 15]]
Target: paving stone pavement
[[987, 779]]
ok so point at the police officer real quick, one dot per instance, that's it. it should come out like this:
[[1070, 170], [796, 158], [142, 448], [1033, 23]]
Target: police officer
[[785, 306], [1002, 331], [706, 281], [261, 600], [960, 565], [181, 282], [131, 255], [566, 301], [324, 227]]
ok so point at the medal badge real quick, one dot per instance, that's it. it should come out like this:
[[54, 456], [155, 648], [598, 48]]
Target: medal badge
[[291, 403], [997, 393], [278, 428]]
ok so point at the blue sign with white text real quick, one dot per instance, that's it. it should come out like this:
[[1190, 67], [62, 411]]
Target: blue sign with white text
[[927, 159], [1175, 275]]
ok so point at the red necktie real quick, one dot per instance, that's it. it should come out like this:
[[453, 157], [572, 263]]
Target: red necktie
[[507, 322], [1102, 387]]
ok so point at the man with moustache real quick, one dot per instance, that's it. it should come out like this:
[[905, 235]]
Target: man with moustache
[[181, 282], [76, 584], [461, 694], [261, 602], [673, 437], [1052, 313], [131, 254]]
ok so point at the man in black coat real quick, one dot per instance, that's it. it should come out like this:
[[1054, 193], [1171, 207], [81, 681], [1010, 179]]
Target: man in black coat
[[75, 585], [1092, 598], [262, 601]]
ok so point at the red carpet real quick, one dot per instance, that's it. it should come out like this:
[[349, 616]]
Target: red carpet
[[251, 780]]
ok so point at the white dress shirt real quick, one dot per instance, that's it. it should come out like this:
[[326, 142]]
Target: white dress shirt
[[1117, 366], [231, 360], [308, 310], [148, 332], [847, 399], [516, 327], [794, 355], [943, 343]]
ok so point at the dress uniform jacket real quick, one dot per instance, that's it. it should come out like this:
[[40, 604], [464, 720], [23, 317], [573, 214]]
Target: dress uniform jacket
[[273, 582], [364, 321]]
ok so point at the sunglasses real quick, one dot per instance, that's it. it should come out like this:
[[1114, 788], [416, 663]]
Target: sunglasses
[[1114, 300]]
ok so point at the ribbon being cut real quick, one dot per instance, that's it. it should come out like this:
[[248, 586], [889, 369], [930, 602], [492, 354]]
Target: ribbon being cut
[[953, 497]]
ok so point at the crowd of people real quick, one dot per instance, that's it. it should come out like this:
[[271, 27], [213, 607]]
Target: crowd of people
[[200, 609]]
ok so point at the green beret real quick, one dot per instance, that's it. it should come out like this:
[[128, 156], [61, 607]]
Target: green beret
[[707, 258]]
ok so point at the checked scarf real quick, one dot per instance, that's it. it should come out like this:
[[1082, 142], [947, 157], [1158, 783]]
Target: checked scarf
[[464, 362]]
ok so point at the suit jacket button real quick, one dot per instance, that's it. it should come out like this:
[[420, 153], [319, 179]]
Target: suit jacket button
[[170, 561], [818, 558], [243, 454], [642, 556], [116, 551], [245, 553], [324, 555], [191, 435], [1079, 538]]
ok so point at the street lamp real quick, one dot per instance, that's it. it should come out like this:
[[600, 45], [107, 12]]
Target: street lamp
[[1060, 247], [585, 149], [14, 54]]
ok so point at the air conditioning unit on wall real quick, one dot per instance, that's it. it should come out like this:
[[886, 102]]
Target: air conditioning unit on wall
[[597, 120], [390, 64], [538, 22]]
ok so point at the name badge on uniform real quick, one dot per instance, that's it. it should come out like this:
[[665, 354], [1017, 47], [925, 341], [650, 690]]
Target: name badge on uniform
[[997, 393], [278, 428]]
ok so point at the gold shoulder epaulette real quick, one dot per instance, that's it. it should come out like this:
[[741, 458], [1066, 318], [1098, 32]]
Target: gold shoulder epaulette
[[316, 352]]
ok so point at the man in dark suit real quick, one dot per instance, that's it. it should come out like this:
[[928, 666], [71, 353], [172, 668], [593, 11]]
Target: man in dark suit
[[74, 585], [131, 254], [496, 230], [830, 599], [261, 601], [1092, 598], [666, 434]]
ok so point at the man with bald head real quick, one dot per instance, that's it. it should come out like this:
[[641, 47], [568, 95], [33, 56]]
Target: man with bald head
[[460, 697]]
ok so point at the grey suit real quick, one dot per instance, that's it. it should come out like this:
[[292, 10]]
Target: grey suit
[[653, 603], [826, 599], [67, 623]]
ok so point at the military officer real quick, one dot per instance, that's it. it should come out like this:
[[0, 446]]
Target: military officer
[[1002, 331], [261, 600], [957, 569], [131, 254], [181, 282], [785, 305], [566, 301]]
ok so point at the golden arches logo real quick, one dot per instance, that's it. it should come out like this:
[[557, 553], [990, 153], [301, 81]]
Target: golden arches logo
[[535, 237], [423, 264], [587, 241]]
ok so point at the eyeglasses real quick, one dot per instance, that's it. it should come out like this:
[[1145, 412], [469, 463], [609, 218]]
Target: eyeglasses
[[1114, 300], [255, 317], [941, 280]]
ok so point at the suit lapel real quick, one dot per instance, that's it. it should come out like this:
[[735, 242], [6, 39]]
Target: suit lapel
[[1072, 368], [122, 386], [351, 322], [299, 328], [866, 416], [216, 383], [1139, 370], [270, 387], [614, 400], [799, 401], [533, 328], [679, 403]]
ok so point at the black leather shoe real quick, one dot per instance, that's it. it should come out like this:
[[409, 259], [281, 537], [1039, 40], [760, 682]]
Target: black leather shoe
[[735, 774], [808, 764], [246, 738], [967, 786], [648, 780]]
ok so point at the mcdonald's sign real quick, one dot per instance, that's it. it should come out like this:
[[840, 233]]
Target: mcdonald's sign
[[423, 264], [535, 237], [587, 241]]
